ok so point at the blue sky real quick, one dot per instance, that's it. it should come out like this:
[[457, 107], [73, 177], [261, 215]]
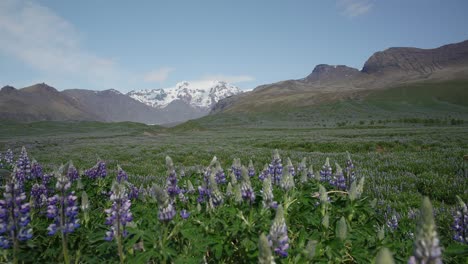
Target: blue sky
[[129, 45]]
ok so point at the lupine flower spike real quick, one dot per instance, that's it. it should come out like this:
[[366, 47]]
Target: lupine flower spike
[[290, 167], [302, 166], [14, 215], [121, 175], [326, 171], [310, 172], [171, 183], [166, 210], [118, 216], [97, 171], [216, 197], [247, 191], [264, 251], [220, 176], [229, 190], [267, 194], [236, 168], [341, 229], [460, 223], [278, 236], [265, 173], [426, 245], [287, 181], [384, 257], [276, 168], [9, 157], [339, 180], [251, 169], [23, 164], [63, 209], [304, 177], [349, 170]]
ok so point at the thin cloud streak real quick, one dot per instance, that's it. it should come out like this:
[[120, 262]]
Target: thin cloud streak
[[354, 8]]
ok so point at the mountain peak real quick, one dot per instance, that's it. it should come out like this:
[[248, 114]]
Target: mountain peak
[[196, 95], [8, 88], [111, 91], [409, 60], [40, 87], [325, 72]]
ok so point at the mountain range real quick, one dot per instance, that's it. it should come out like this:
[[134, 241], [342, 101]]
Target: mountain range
[[393, 67], [384, 69], [159, 106]]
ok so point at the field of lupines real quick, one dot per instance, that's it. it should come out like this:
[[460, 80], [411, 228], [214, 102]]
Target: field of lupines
[[227, 210]]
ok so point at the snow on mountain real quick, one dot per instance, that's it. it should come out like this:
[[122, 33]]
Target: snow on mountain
[[199, 94]]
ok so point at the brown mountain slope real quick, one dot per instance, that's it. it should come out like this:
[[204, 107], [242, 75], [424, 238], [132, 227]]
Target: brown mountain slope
[[40, 102], [389, 68], [113, 106]]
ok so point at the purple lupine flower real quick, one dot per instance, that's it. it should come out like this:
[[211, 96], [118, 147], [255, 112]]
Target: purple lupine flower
[[265, 173], [166, 213], [216, 197], [9, 157], [338, 179], [460, 222], [290, 167], [326, 172], [14, 214], [72, 173], [184, 214], [97, 171], [166, 209], [203, 194], [23, 163], [36, 170], [119, 215], [63, 207], [278, 236], [247, 191], [251, 169], [20, 176], [133, 192], [276, 168], [46, 178], [121, 174], [236, 168], [391, 219], [171, 183], [220, 176], [39, 195]]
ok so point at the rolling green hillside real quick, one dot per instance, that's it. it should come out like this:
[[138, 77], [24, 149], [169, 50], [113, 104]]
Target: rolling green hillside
[[433, 102]]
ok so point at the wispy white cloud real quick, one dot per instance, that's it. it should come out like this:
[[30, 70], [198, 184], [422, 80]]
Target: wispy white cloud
[[48, 43], [229, 78], [158, 75], [354, 8]]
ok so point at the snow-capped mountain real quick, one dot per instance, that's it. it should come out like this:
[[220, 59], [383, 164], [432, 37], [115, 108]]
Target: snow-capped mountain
[[200, 95]]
